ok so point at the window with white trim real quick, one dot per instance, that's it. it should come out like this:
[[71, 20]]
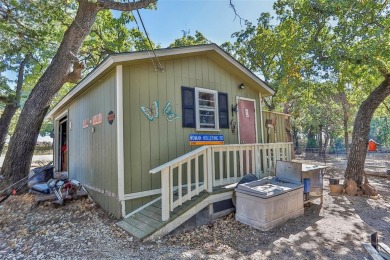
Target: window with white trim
[[206, 104], [205, 110]]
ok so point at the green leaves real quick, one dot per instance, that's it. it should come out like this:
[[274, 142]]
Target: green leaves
[[111, 35], [314, 50], [188, 40]]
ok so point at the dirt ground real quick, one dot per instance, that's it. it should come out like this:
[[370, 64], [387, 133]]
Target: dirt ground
[[80, 229]]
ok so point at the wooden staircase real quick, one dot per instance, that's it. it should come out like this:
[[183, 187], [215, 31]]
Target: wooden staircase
[[197, 179], [147, 223]]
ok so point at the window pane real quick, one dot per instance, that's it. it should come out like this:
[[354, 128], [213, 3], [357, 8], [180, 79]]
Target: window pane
[[206, 100], [207, 119]]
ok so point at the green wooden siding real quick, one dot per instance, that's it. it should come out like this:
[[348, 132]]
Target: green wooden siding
[[93, 155], [149, 144], [278, 133]]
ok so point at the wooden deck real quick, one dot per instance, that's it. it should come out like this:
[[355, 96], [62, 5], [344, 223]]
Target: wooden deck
[[147, 223]]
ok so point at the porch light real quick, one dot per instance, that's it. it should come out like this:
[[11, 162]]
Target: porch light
[[241, 86]]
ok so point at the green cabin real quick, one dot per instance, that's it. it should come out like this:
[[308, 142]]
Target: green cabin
[[135, 112]]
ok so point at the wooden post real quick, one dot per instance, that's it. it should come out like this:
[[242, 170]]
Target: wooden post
[[252, 151], [171, 185], [227, 165], [256, 149], [197, 175], [179, 184], [235, 163], [220, 182], [210, 170], [165, 194], [189, 179], [241, 162]]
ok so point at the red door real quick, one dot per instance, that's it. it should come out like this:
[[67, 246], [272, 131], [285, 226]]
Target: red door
[[247, 130], [246, 121]]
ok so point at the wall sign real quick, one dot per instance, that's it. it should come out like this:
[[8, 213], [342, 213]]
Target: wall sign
[[205, 139], [85, 123], [246, 112], [97, 119], [111, 117]]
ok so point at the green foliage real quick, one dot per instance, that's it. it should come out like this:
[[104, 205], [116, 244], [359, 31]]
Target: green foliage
[[33, 29], [111, 35], [36, 28], [380, 130], [314, 51], [189, 40], [46, 128]]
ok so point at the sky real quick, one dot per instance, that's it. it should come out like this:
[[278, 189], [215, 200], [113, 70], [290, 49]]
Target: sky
[[213, 18]]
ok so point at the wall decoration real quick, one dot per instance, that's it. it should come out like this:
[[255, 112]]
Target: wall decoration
[[233, 126], [97, 119], [168, 112], [152, 111], [205, 139], [85, 123], [111, 117]]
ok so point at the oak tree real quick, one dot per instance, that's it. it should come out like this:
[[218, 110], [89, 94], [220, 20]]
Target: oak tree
[[64, 67]]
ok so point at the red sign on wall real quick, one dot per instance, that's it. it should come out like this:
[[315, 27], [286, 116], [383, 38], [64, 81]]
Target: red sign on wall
[[97, 119], [85, 123]]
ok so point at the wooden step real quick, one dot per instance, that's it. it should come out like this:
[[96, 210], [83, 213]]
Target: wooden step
[[147, 222]]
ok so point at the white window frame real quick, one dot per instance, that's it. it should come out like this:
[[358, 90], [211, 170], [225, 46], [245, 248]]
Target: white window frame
[[197, 109]]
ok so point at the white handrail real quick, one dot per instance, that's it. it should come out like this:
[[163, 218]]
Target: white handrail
[[179, 159], [222, 165]]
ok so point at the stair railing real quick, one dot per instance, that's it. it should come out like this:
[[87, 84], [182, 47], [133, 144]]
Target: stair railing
[[213, 166]]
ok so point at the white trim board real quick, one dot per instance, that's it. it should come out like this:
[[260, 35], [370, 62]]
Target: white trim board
[[261, 119], [119, 128], [56, 140]]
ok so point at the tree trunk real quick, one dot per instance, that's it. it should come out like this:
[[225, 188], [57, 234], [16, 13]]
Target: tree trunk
[[320, 144], [346, 137], [326, 142], [361, 130], [12, 105], [5, 122], [310, 141], [295, 136], [19, 155], [287, 122], [345, 105]]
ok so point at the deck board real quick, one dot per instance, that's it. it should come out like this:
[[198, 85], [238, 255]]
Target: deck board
[[148, 220], [141, 223], [131, 229], [151, 214]]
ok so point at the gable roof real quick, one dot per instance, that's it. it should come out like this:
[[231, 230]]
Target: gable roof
[[212, 50]]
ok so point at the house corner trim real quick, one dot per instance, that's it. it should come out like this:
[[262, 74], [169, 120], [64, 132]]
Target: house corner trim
[[120, 146]]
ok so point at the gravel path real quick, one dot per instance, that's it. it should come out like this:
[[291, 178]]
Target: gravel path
[[80, 229]]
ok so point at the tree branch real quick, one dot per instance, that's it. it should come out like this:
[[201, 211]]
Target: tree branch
[[107, 4], [235, 12], [386, 106]]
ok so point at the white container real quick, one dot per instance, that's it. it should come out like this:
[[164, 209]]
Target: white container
[[269, 203]]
